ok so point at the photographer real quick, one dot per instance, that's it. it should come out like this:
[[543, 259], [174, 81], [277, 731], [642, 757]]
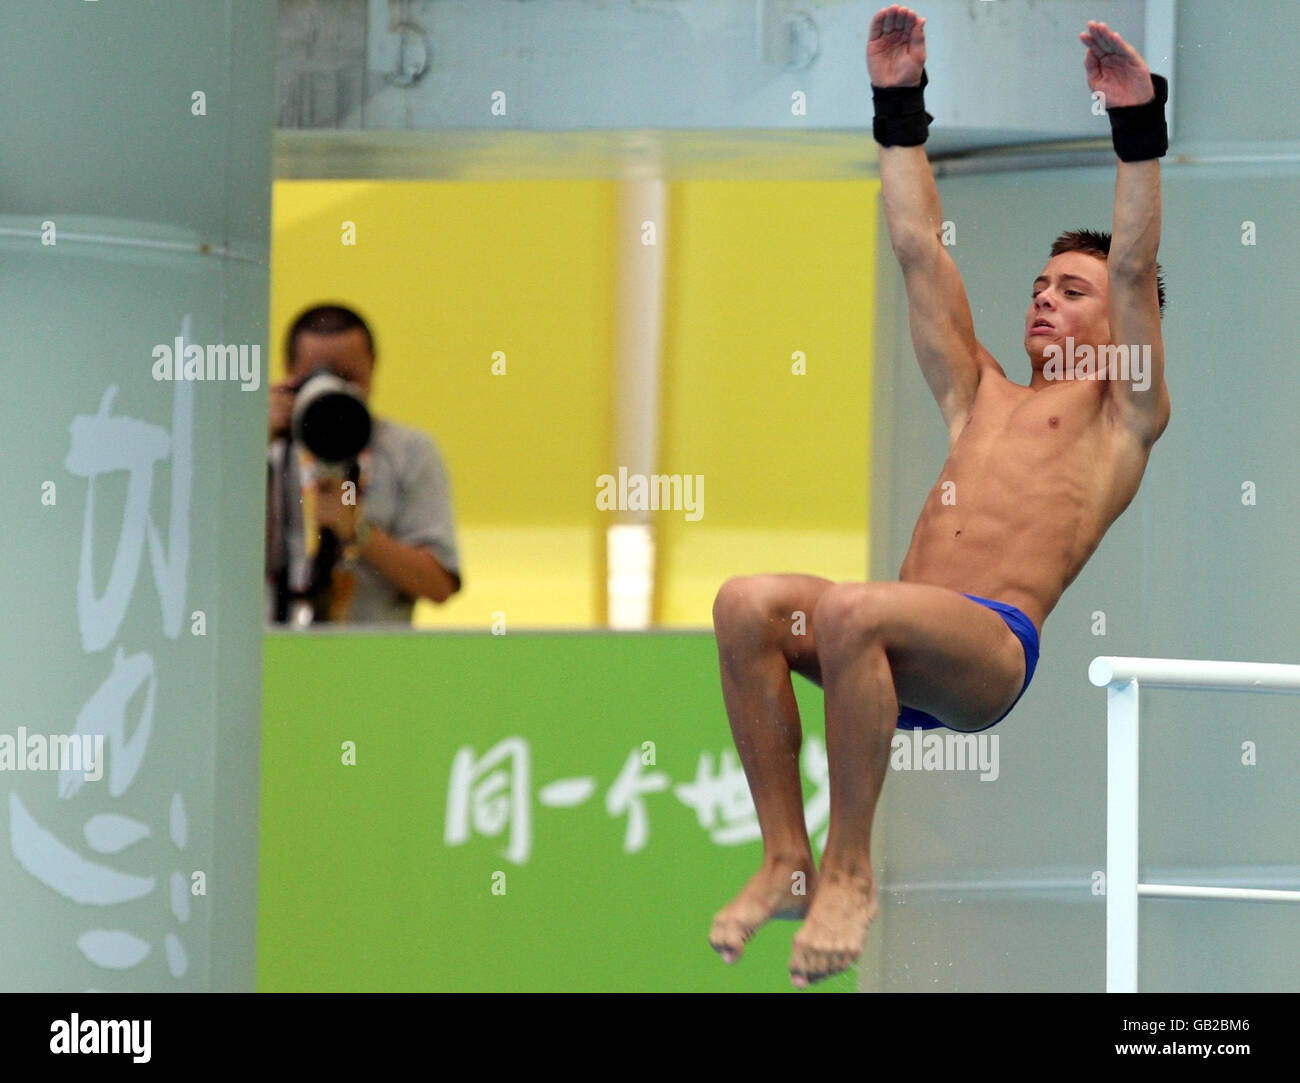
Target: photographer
[[332, 556]]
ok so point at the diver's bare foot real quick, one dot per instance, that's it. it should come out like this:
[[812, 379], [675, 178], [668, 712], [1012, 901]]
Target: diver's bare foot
[[780, 890], [833, 936]]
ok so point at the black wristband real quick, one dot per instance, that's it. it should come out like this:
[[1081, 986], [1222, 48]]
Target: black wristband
[[1139, 132], [901, 119]]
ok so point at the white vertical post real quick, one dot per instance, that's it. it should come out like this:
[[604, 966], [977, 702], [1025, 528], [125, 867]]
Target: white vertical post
[[1122, 837], [638, 336]]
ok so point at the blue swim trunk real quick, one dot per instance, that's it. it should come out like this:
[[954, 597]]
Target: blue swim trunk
[[910, 719]]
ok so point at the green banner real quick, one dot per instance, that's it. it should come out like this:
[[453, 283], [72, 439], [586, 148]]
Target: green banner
[[525, 812]]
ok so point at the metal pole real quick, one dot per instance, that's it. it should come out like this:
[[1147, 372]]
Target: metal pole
[[1122, 837], [1237, 894], [1120, 678], [1196, 673]]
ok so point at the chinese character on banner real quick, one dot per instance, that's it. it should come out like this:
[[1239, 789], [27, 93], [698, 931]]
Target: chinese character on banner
[[105, 444], [722, 796], [487, 794], [625, 796], [566, 792]]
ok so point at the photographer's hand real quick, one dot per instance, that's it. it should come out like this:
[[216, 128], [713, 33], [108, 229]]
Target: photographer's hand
[[331, 510], [413, 571]]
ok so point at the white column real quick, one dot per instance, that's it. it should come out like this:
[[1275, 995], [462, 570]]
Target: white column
[[630, 538]]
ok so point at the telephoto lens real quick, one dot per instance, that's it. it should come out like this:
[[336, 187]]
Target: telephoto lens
[[330, 418]]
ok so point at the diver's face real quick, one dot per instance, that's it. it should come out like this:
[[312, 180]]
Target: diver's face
[[1069, 300]]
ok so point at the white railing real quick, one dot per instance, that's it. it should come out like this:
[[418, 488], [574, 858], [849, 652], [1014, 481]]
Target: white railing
[[1121, 678]]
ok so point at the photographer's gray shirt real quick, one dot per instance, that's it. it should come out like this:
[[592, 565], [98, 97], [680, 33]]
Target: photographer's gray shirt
[[408, 495]]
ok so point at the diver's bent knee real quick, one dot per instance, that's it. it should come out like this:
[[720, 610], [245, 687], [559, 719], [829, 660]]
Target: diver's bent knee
[[852, 615], [749, 604]]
